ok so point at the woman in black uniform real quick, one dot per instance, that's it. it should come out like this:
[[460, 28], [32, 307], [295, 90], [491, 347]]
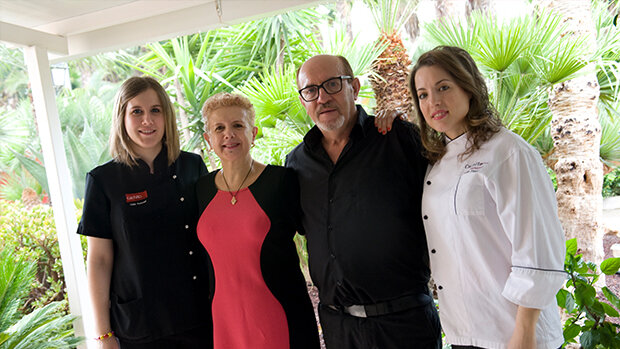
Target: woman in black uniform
[[147, 271]]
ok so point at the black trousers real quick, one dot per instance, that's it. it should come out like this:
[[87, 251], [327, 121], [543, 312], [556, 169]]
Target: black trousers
[[201, 337], [416, 328]]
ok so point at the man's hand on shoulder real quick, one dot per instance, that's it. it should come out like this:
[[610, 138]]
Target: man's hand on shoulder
[[385, 118]]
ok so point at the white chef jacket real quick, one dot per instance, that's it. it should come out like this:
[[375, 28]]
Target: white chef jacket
[[494, 241]]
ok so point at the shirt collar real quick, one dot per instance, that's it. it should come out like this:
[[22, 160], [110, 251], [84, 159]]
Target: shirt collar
[[160, 163], [458, 141]]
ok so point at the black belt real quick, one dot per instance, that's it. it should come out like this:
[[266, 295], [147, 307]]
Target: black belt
[[383, 308]]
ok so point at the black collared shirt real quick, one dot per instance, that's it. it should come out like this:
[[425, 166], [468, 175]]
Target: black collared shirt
[[362, 215], [159, 284]]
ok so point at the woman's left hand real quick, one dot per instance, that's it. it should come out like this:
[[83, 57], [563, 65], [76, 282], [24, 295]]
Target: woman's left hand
[[385, 118], [522, 341], [524, 333]]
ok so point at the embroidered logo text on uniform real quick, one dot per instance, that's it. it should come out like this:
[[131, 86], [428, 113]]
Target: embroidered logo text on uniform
[[475, 167]]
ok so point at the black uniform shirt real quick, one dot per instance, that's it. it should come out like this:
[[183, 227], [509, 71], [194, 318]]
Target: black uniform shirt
[[159, 280], [366, 240]]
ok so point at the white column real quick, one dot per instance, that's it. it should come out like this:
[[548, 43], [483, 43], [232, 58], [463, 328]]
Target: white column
[[59, 182]]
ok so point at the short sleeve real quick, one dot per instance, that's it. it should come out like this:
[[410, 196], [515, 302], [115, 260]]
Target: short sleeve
[[96, 211], [527, 209]]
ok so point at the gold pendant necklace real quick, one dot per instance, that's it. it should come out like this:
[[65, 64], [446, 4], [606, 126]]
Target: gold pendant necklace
[[233, 199]]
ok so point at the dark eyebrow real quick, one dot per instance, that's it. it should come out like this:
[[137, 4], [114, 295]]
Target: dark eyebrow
[[437, 83]]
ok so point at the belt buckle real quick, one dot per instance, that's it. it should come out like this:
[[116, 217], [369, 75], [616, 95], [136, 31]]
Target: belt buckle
[[356, 310]]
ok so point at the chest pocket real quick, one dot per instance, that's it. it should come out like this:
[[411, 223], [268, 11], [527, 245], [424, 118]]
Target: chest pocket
[[469, 195]]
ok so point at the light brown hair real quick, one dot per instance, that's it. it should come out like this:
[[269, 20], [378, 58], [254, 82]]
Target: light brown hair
[[120, 144], [481, 119]]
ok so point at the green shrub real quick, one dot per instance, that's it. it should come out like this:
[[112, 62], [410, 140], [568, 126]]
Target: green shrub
[[588, 313], [611, 183], [31, 233], [46, 327]]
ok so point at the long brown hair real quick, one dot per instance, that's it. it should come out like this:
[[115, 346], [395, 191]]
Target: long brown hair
[[482, 120], [120, 143]]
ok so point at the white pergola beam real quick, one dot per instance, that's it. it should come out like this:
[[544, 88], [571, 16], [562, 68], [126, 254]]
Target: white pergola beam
[[59, 182], [200, 18], [29, 37]]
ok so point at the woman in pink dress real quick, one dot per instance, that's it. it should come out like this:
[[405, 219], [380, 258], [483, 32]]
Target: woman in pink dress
[[250, 213]]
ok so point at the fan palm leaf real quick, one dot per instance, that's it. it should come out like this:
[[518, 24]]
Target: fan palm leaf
[[521, 58], [610, 140], [16, 274]]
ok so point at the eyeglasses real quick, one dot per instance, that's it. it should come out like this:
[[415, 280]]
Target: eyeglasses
[[331, 86]]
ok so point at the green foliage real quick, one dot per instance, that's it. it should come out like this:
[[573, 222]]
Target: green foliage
[[523, 57], [14, 285], [588, 312], [16, 182], [31, 233], [391, 15], [46, 327], [611, 183], [610, 140], [85, 116], [13, 74]]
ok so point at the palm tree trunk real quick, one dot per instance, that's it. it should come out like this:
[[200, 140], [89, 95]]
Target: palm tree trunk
[[182, 114], [343, 12], [392, 66], [576, 133], [412, 25], [450, 8], [485, 6]]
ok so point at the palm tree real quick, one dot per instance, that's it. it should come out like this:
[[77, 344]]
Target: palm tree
[[576, 133], [391, 69]]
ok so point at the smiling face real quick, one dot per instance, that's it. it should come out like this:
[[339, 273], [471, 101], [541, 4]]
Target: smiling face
[[330, 112], [230, 133], [145, 124], [443, 103]]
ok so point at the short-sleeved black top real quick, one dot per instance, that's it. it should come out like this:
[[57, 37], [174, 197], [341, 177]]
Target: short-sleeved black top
[[362, 215], [159, 280]]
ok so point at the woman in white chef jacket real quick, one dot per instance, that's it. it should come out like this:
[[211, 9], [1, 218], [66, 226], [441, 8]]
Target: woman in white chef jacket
[[490, 213]]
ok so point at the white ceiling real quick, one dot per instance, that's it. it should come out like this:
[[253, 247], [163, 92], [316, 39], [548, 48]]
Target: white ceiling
[[71, 29]]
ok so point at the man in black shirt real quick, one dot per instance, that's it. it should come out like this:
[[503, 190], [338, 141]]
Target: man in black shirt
[[360, 195]]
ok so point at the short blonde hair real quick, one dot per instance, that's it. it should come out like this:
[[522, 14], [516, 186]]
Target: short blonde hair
[[120, 143], [225, 99]]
